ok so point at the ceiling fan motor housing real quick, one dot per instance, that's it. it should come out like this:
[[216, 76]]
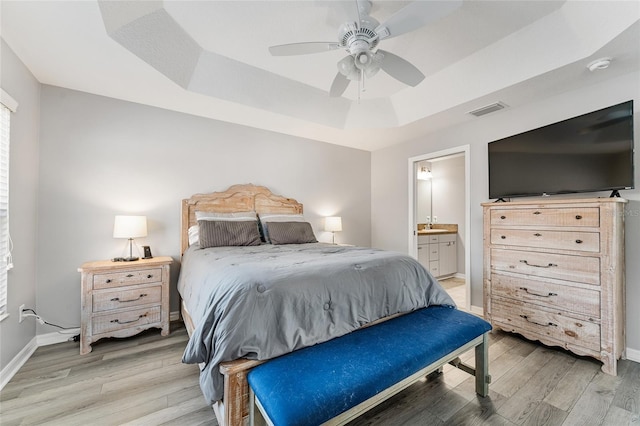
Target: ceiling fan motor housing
[[357, 39]]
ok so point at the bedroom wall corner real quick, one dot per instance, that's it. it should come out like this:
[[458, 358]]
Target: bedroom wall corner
[[16, 338]]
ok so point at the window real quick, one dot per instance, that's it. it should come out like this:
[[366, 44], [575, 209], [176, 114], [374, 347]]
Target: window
[[7, 105]]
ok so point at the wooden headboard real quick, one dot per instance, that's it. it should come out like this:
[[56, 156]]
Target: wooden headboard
[[237, 198]]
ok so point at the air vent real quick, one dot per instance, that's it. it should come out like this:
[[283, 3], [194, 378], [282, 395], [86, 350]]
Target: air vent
[[488, 109]]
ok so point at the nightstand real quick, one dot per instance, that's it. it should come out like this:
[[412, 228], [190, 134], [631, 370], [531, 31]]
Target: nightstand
[[120, 299]]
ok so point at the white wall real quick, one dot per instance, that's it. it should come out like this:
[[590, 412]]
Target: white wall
[[389, 177], [101, 157], [20, 84]]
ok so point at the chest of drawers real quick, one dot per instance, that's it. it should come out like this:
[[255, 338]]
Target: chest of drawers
[[554, 272], [120, 299]]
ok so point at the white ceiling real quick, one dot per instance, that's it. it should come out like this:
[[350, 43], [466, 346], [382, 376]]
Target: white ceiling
[[210, 58]]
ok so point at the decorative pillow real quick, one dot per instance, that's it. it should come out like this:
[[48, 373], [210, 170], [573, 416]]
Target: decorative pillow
[[265, 218], [194, 234], [236, 216], [218, 233], [290, 233]]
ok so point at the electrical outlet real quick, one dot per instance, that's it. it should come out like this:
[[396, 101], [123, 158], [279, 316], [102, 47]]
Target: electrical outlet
[[20, 309], [435, 219]]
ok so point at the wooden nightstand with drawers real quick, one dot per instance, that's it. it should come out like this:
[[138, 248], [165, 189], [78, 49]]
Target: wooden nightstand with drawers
[[120, 299]]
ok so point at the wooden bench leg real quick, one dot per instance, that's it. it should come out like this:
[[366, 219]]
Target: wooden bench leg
[[255, 416], [482, 367]]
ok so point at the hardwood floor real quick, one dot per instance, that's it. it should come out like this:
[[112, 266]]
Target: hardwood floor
[[141, 381], [457, 290]]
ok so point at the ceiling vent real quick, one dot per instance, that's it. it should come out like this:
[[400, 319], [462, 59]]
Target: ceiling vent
[[488, 109]]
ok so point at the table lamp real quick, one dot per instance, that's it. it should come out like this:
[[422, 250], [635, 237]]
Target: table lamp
[[130, 227], [333, 224]]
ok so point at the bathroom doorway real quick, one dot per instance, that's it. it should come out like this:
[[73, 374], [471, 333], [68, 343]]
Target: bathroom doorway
[[439, 209]]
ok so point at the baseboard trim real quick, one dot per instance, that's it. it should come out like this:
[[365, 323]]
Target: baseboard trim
[[17, 362], [55, 337], [633, 355]]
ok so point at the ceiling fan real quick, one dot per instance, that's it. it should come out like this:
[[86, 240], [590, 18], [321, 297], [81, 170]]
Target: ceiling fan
[[360, 37]]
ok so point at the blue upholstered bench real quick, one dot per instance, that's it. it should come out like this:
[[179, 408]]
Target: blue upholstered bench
[[338, 380]]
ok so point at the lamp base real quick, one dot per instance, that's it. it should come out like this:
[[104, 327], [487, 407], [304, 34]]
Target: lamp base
[[130, 259]]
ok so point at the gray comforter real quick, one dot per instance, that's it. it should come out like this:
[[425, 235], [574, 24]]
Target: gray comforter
[[264, 301]]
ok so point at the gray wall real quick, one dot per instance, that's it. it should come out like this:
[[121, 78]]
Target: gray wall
[[20, 84], [101, 157], [390, 187]]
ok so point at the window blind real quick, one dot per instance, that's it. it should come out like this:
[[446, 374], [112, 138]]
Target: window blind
[[5, 117]]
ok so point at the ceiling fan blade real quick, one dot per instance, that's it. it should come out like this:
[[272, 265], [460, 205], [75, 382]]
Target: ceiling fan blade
[[339, 85], [416, 15], [303, 48], [400, 69]]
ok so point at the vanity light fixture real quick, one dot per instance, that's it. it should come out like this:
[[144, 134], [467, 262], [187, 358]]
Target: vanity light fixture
[[424, 174]]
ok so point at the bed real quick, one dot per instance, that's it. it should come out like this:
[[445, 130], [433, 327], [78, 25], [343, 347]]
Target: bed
[[243, 305]]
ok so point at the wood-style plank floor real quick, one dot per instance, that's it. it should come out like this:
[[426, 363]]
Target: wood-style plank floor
[[141, 381]]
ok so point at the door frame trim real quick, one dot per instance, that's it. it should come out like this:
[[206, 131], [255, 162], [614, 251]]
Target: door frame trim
[[413, 237]]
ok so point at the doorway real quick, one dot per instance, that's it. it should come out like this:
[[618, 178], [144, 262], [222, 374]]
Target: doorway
[[439, 199]]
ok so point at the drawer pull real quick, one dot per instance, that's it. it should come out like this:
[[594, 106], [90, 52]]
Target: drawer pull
[[149, 276], [117, 299], [537, 234], [503, 217], [129, 275], [536, 212], [538, 266], [578, 217], [578, 241], [129, 322], [549, 324], [526, 290], [108, 281], [503, 237]]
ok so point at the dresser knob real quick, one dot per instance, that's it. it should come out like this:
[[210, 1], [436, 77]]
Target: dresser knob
[[578, 217], [129, 275], [536, 212], [503, 237], [503, 217], [537, 235], [149, 276], [578, 241], [108, 281]]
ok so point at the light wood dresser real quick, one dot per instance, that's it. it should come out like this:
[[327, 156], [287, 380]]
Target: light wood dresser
[[120, 299], [554, 272]]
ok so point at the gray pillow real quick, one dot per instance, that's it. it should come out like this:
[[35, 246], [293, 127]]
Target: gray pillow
[[290, 233], [215, 233]]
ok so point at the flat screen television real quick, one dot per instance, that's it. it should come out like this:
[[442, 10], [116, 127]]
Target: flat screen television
[[589, 153]]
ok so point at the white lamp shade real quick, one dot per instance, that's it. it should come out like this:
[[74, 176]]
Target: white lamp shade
[[130, 227], [333, 224]]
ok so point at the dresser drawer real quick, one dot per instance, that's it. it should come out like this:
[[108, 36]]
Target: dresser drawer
[[546, 324], [563, 240], [582, 269], [118, 279], [109, 300], [125, 319], [588, 216], [554, 296]]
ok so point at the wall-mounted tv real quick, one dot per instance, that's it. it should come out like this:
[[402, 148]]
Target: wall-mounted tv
[[589, 153]]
